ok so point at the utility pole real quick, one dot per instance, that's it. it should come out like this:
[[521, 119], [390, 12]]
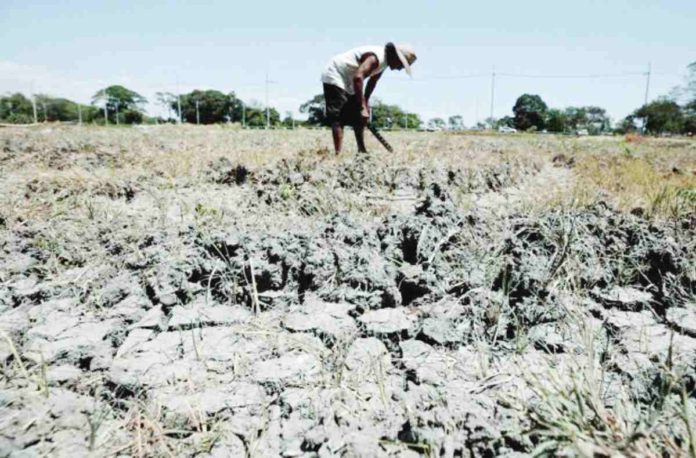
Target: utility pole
[[647, 91], [647, 83], [79, 113], [33, 105], [178, 99], [198, 114], [268, 109], [477, 112], [116, 114], [106, 116], [492, 92]]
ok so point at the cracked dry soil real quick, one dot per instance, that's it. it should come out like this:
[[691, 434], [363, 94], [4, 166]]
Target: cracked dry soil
[[313, 307]]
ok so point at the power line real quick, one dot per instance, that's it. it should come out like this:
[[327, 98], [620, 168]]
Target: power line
[[492, 90], [588, 76], [268, 110], [531, 75], [443, 78], [452, 77], [33, 104], [647, 90], [178, 100]]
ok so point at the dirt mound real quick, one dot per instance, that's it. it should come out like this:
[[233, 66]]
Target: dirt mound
[[406, 257], [342, 261], [318, 186]]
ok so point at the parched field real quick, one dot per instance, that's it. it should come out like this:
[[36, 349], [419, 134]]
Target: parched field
[[180, 291]]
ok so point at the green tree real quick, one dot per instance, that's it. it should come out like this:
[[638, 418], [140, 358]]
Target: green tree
[[256, 115], [456, 122], [315, 109], [16, 109], [55, 109], [208, 106], [118, 99], [490, 123], [690, 118], [393, 116], [91, 114], [411, 121], [168, 100], [506, 121], [386, 116], [289, 120], [556, 121], [687, 93], [592, 118], [576, 118], [662, 116], [383, 115], [690, 88], [436, 123], [530, 111], [597, 120], [133, 117], [626, 126], [235, 109]]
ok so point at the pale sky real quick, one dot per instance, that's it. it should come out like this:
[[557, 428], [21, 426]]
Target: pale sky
[[74, 48]]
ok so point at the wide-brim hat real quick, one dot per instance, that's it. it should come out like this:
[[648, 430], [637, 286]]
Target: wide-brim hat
[[406, 55]]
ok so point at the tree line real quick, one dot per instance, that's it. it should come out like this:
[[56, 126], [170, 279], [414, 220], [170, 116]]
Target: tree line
[[119, 105], [671, 114], [383, 115], [662, 116], [674, 113]]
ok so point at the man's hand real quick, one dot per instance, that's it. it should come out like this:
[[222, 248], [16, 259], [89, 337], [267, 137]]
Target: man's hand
[[365, 114]]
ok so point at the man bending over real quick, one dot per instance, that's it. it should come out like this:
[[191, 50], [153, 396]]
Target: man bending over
[[345, 92]]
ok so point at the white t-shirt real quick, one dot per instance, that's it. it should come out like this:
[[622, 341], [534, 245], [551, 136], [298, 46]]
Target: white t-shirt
[[342, 68]]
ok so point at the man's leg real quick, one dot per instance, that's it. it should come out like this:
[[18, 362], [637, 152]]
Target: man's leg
[[335, 98], [337, 131], [351, 115], [360, 137]]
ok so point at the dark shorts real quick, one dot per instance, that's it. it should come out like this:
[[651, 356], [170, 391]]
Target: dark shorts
[[341, 106]]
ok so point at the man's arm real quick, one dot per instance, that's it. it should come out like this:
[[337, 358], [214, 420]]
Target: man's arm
[[371, 84], [368, 64]]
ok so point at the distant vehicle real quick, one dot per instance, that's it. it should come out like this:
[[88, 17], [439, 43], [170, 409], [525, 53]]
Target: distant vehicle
[[582, 133], [507, 130]]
